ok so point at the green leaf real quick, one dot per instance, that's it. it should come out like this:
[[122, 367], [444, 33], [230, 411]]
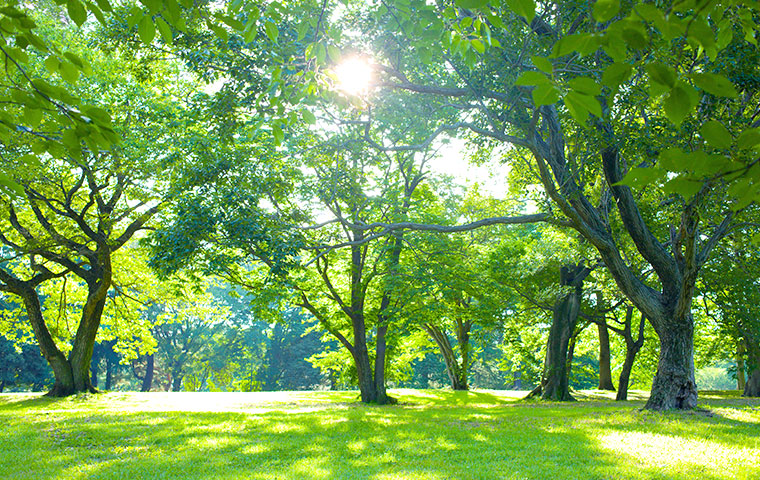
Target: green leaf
[[587, 102], [585, 86], [478, 45], [11, 185], [576, 109], [52, 64], [662, 74], [524, 8], [333, 52], [543, 64], [77, 12], [164, 29], [471, 3], [545, 95], [68, 72], [98, 115], [604, 10], [716, 134], [583, 43], [641, 177], [715, 84], [674, 160], [749, 138], [308, 117], [678, 104], [530, 78], [153, 5], [146, 30], [271, 30], [615, 74], [32, 116], [279, 135], [683, 186]]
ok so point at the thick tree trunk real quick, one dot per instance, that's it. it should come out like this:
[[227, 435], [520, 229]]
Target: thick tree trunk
[[380, 356], [674, 386], [147, 381], [605, 368], [64, 379], [752, 387], [94, 370], [364, 372]]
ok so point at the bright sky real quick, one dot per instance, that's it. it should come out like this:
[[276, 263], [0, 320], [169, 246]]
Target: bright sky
[[492, 175]]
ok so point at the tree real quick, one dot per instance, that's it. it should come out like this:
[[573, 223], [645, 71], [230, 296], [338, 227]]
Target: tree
[[582, 148]]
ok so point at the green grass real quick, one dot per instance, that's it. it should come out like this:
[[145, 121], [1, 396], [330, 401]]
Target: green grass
[[327, 435]]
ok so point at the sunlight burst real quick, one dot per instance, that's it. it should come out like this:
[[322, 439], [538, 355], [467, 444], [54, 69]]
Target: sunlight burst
[[354, 75]]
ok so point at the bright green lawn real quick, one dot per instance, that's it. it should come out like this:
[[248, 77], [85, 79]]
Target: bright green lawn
[[315, 435]]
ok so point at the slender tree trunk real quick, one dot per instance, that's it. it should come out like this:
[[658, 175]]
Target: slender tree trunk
[[109, 373], [752, 387], [463, 342], [605, 368], [674, 386], [176, 384], [2, 385], [554, 380], [741, 379], [147, 382], [449, 357]]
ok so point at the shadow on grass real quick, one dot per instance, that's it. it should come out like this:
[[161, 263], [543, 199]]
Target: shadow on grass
[[354, 442]]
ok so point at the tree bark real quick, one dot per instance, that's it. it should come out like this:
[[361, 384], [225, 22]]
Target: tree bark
[[741, 379], [605, 368], [94, 369], [752, 387], [457, 376], [554, 380], [147, 381], [632, 348], [674, 386], [176, 384], [64, 379], [109, 372]]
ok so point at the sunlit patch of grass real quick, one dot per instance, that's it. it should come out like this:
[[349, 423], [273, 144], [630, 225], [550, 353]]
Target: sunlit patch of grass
[[329, 435]]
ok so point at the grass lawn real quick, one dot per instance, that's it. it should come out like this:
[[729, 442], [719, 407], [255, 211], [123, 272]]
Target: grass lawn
[[328, 435]]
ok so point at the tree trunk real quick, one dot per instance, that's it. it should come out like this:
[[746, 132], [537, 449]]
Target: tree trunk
[[94, 369], [381, 395], [674, 386], [605, 369], [554, 380], [752, 387], [147, 382], [2, 385], [176, 384], [463, 342], [741, 379], [569, 362], [364, 372], [456, 377], [64, 380], [109, 372]]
